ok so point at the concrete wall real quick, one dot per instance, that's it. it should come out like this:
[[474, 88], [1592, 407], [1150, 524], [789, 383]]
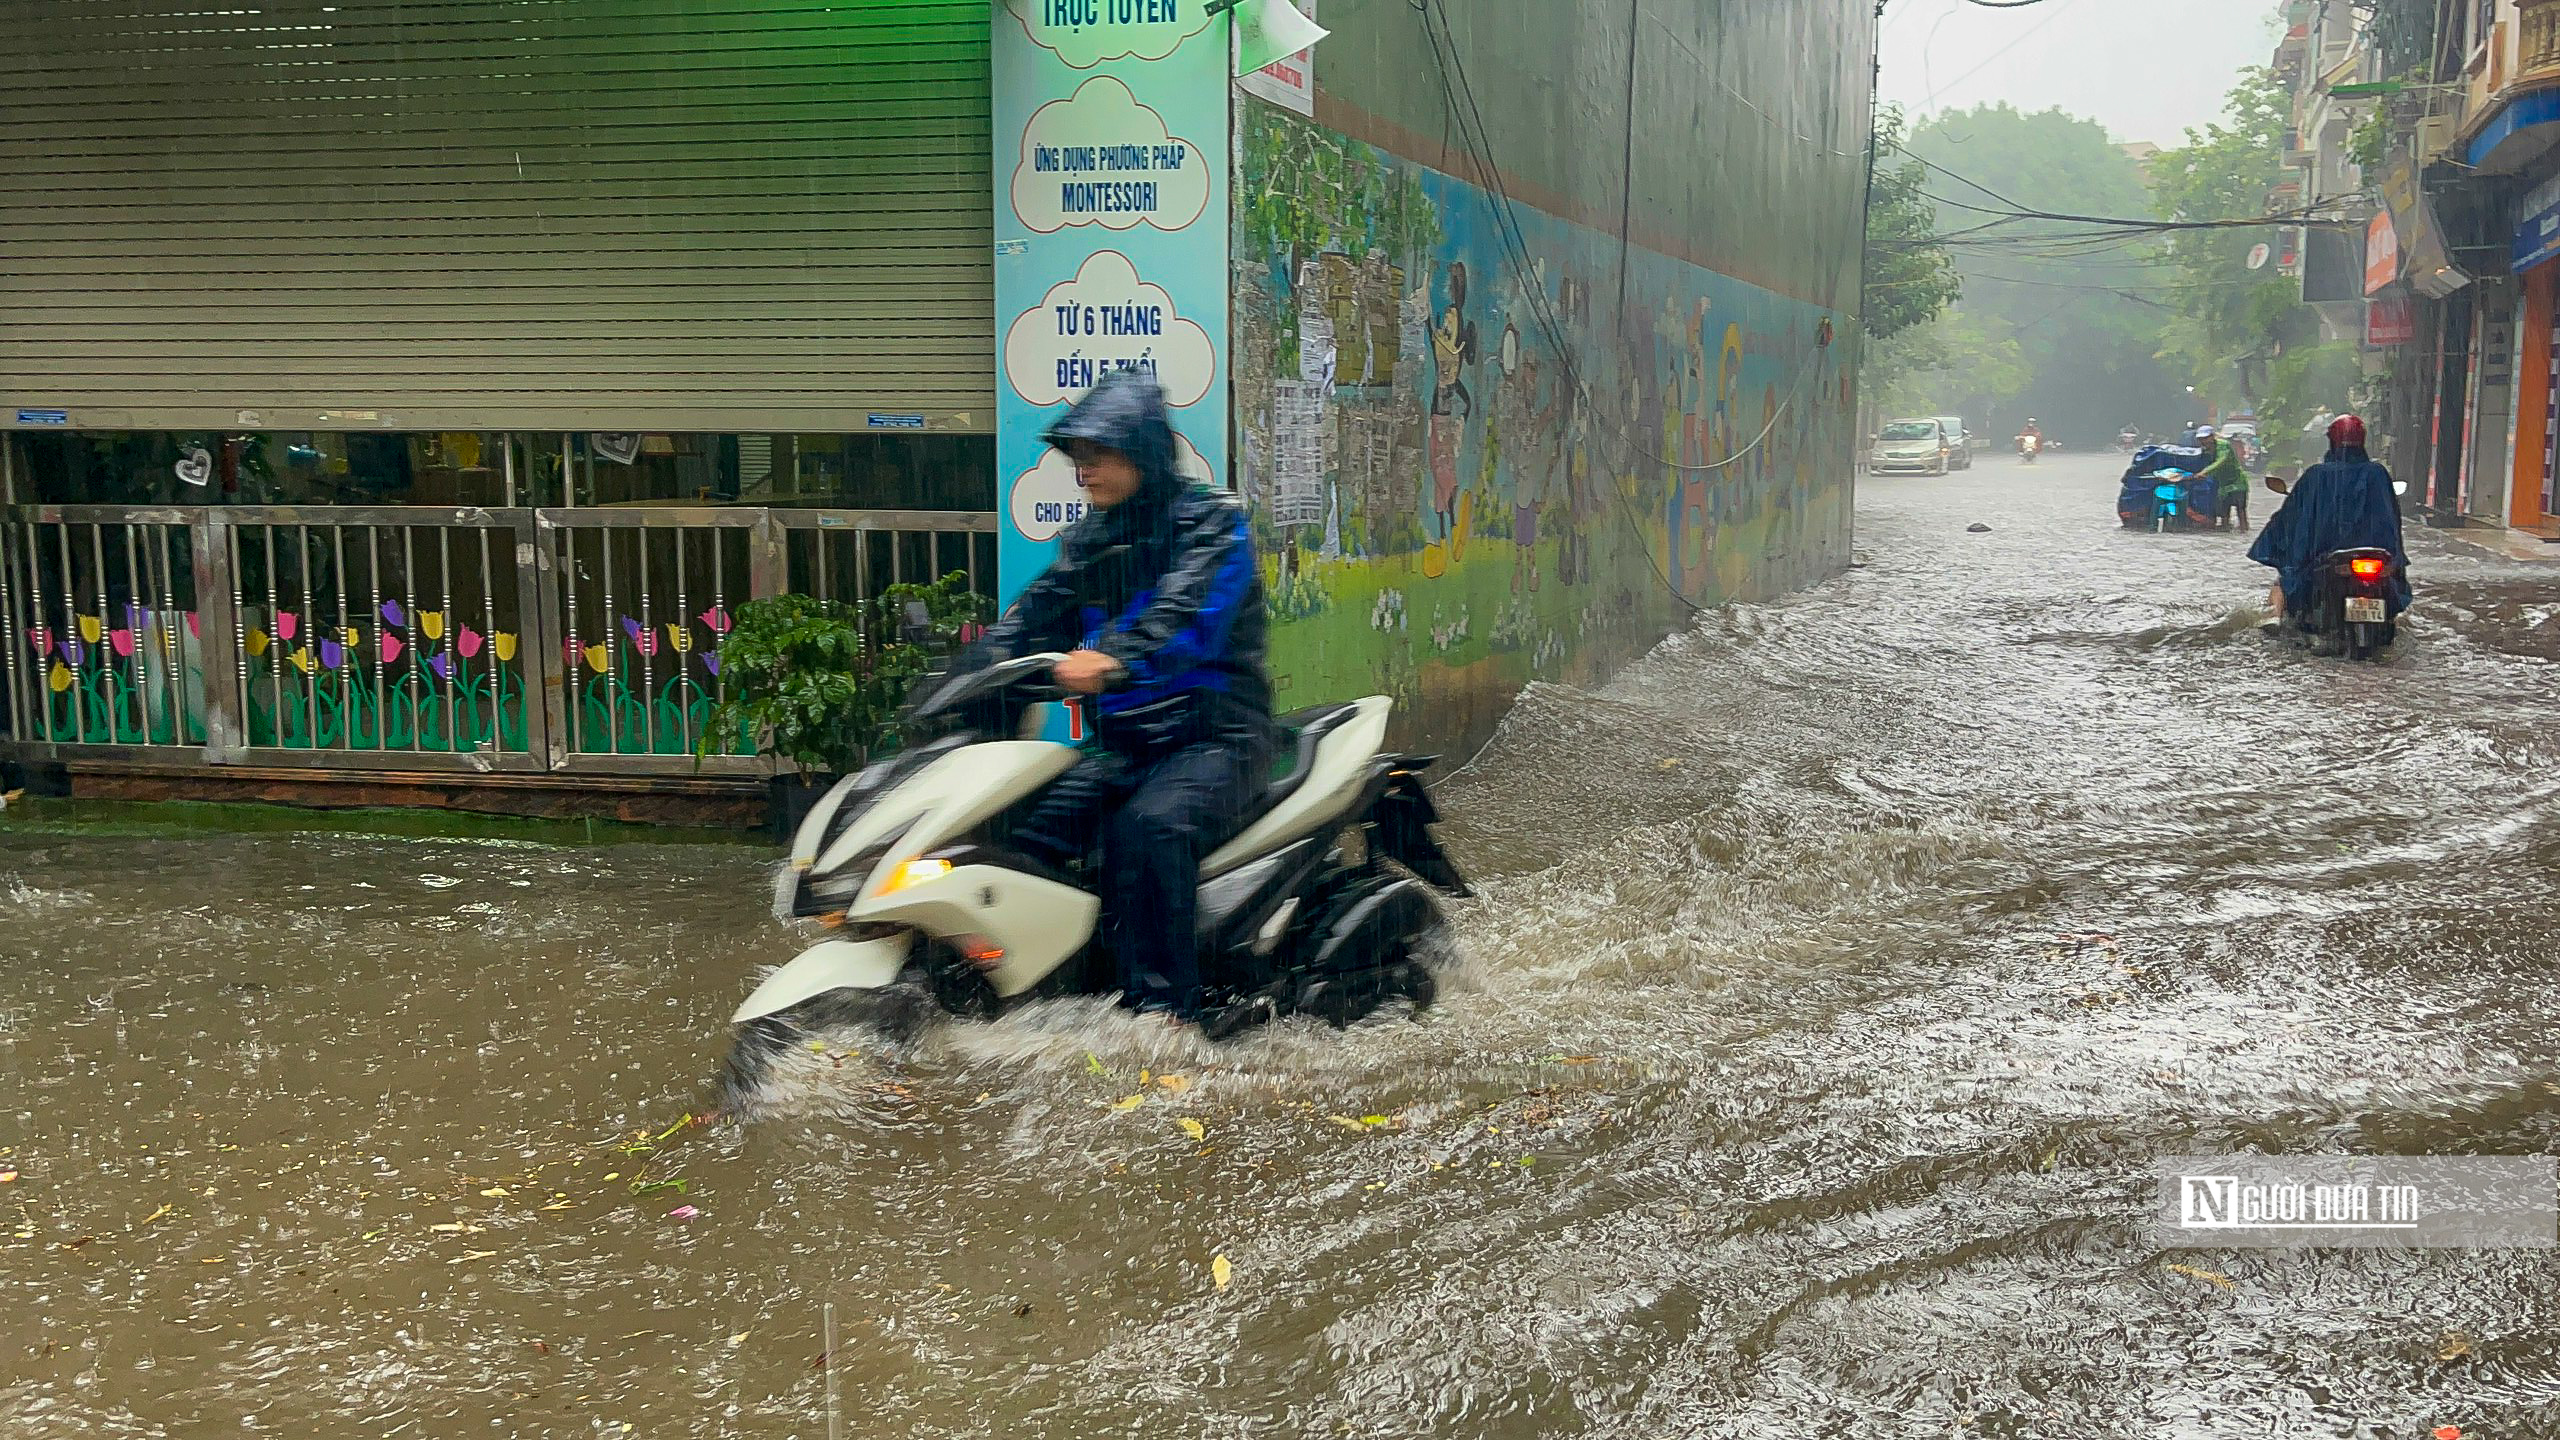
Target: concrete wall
[[1479, 383]]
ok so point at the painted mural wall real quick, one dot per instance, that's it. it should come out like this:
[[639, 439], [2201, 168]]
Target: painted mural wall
[[1485, 445]]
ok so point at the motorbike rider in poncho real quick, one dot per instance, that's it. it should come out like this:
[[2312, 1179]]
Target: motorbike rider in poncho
[[1156, 598], [2345, 502]]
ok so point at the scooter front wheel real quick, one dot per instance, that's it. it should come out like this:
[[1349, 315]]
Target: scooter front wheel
[[899, 1013]]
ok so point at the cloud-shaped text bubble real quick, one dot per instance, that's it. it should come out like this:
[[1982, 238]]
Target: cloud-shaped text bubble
[[1087, 32], [1099, 157], [1106, 319], [1046, 498]]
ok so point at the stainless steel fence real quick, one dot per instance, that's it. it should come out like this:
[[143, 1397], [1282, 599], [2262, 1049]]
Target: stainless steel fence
[[103, 640], [419, 638]]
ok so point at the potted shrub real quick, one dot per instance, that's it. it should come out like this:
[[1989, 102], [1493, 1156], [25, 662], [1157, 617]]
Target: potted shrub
[[820, 682]]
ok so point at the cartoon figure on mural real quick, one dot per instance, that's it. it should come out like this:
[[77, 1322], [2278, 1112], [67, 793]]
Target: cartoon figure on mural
[[1532, 472], [1453, 347], [1571, 498], [1692, 535], [1737, 441], [1583, 502]]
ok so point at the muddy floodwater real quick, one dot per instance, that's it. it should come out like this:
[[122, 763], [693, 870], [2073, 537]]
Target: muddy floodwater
[[1839, 971]]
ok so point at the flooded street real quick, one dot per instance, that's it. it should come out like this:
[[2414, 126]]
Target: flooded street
[[1837, 975]]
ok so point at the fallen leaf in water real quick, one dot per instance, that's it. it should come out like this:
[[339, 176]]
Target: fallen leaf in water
[[616, 1175], [984, 1096], [76, 1244], [2447, 1432], [1375, 1120], [541, 1347], [2193, 1273], [1093, 1062], [369, 1234], [1347, 1123], [494, 1192], [9, 1175], [156, 1214], [1129, 1103], [471, 1255], [1175, 1083], [1193, 1128], [562, 1205], [683, 1212], [1145, 1077], [459, 1227], [1670, 765], [2455, 1346], [817, 1047], [1221, 1272], [739, 1339]]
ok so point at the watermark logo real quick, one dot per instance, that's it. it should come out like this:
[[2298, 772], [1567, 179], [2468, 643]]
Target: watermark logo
[[2465, 1201]]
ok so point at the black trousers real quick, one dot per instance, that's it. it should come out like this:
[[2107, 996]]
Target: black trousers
[[1154, 815]]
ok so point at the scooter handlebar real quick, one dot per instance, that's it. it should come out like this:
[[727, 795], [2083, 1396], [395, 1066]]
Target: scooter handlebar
[[1011, 685]]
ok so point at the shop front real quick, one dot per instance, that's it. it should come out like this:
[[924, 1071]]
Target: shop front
[[423, 388], [2534, 499]]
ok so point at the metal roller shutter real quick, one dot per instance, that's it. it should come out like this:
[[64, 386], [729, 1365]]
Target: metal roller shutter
[[496, 214]]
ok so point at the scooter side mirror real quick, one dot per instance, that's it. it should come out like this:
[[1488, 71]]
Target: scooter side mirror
[[2399, 487], [2282, 485]]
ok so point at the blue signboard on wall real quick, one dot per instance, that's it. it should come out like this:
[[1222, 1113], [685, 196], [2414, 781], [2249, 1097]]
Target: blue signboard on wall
[[1111, 145], [2538, 233]]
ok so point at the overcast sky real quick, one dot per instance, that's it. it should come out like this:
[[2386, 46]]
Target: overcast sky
[[2145, 69]]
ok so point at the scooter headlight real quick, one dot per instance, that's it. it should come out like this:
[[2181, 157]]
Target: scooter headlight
[[911, 873]]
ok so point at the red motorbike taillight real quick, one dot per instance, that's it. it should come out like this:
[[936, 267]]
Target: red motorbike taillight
[[2367, 569]]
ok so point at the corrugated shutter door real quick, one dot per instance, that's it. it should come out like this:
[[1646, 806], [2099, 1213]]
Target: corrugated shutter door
[[494, 214]]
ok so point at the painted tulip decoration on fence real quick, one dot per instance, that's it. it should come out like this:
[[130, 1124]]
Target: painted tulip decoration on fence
[[109, 684], [645, 697], [410, 689]]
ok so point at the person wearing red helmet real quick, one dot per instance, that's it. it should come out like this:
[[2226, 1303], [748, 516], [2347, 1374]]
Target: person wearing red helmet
[[2346, 502]]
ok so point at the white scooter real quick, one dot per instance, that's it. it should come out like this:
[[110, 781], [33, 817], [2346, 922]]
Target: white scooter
[[909, 862]]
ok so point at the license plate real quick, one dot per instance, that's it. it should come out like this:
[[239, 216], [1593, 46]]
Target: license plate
[[2365, 610]]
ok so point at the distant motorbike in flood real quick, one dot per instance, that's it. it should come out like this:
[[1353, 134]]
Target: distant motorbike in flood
[[2163, 491], [2029, 447]]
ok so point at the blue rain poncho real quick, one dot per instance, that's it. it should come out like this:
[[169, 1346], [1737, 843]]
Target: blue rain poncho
[[2343, 503]]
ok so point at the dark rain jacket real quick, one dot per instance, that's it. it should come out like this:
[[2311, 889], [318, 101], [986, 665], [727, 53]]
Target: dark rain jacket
[[2343, 503], [1166, 583]]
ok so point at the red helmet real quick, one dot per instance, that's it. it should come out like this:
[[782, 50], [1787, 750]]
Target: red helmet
[[2346, 433]]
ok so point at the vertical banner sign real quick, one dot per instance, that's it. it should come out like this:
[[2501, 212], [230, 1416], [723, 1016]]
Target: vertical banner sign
[[1111, 120]]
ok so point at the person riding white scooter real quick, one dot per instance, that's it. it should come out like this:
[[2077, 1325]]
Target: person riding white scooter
[[1156, 599]]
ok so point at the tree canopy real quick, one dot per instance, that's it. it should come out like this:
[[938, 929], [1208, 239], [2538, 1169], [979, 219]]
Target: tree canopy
[[2051, 324], [1910, 277], [2244, 335]]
